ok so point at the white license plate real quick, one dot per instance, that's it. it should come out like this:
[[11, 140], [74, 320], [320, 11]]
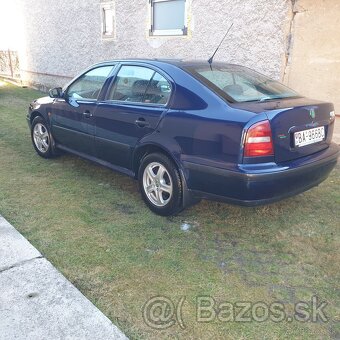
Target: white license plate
[[309, 136]]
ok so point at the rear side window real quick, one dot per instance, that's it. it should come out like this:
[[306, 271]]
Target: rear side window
[[138, 84], [89, 85]]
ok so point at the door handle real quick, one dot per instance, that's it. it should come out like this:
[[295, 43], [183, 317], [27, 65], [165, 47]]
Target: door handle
[[141, 122], [87, 114]]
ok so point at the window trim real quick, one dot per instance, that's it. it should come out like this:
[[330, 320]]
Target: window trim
[[170, 32], [125, 103], [104, 6], [80, 76]]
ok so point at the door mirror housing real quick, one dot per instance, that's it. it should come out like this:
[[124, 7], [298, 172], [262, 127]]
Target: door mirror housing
[[56, 92]]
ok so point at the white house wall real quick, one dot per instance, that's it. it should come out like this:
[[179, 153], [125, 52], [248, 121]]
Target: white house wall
[[63, 37]]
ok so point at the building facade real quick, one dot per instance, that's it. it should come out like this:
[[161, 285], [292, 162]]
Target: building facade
[[295, 41], [63, 37], [314, 52]]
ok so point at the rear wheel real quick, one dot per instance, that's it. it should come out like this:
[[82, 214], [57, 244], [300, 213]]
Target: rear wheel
[[160, 184], [42, 138]]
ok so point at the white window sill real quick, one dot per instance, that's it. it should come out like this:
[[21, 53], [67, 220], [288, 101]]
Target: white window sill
[[178, 32], [108, 37]]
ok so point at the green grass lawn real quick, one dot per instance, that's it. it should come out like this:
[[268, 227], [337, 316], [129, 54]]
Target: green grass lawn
[[93, 226]]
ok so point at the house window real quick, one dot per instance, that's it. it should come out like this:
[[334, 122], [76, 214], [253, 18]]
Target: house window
[[108, 20], [168, 17]]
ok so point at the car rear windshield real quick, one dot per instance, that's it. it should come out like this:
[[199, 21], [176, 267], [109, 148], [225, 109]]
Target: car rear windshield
[[240, 84]]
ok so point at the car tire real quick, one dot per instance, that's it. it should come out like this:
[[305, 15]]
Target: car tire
[[160, 184], [42, 139]]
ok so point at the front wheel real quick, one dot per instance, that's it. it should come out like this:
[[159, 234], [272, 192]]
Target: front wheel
[[42, 138], [160, 184]]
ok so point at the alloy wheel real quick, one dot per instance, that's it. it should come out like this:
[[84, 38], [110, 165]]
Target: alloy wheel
[[157, 184], [41, 137]]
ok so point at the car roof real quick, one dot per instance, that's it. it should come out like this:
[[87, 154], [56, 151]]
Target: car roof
[[176, 62]]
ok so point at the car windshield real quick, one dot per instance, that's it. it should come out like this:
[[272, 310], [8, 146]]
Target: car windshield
[[240, 84]]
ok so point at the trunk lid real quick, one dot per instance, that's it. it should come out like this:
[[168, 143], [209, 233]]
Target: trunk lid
[[290, 116]]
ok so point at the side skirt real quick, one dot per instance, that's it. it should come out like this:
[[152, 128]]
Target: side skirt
[[124, 171]]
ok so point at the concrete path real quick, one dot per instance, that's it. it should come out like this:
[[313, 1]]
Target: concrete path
[[37, 302]]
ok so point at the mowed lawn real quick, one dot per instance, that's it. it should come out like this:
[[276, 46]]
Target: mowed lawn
[[93, 226]]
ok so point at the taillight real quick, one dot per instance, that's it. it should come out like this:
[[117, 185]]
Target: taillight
[[259, 141]]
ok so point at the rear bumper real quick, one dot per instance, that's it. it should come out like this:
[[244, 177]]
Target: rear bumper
[[261, 184]]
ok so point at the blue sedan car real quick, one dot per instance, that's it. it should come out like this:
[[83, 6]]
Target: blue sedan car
[[190, 130]]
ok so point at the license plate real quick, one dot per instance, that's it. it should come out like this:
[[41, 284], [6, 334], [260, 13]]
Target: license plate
[[309, 136]]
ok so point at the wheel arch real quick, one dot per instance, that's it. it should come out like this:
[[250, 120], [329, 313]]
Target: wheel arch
[[187, 199], [147, 148], [35, 114]]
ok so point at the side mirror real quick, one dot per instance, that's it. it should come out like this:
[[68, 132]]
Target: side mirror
[[56, 92]]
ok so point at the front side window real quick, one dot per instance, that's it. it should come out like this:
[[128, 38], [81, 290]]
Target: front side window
[[137, 84], [89, 85], [240, 84], [168, 17]]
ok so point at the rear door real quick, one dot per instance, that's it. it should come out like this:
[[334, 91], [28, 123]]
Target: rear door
[[72, 117], [132, 109]]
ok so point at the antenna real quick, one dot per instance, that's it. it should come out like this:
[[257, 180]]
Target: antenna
[[210, 60]]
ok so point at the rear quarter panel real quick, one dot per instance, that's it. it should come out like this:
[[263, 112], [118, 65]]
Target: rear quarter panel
[[204, 128]]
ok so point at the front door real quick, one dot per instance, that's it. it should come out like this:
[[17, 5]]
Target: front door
[[72, 116], [132, 109]]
